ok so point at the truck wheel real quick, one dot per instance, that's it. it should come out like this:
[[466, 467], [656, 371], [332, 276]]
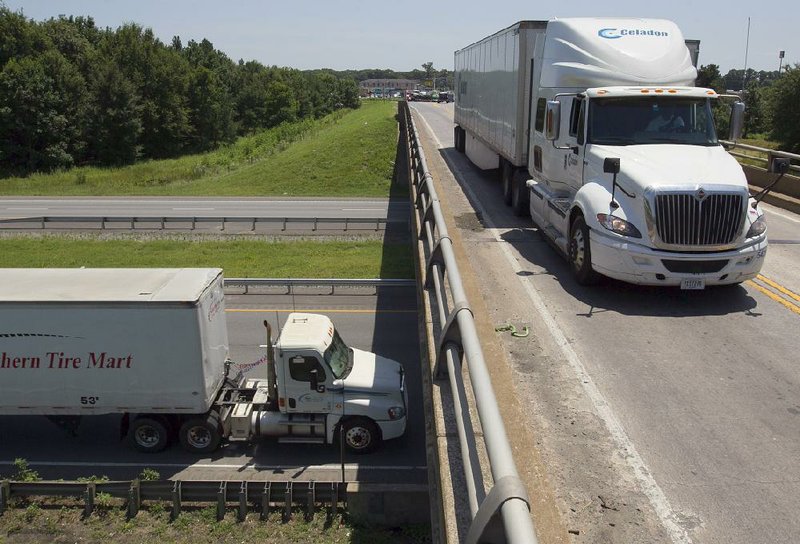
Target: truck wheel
[[580, 253], [506, 174], [201, 434], [459, 139], [519, 196], [148, 435], [361, 435]]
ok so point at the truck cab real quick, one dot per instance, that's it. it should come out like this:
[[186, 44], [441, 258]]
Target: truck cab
[[677, 212], [597, 131], [317, 389]]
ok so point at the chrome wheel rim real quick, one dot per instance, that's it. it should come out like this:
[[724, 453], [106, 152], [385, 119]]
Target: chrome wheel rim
[[147, 436], [198, 437], [358, 438]]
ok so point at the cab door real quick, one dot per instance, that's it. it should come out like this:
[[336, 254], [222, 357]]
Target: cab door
[[307, 386], [576, 140]]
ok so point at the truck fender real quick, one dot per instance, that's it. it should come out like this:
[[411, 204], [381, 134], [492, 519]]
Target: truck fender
[[592, 198], [595, 197]]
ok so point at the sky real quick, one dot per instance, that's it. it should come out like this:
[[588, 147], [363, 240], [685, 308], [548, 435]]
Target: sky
[[401, 35]]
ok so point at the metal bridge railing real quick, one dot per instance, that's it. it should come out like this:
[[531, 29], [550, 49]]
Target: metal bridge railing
[[263, 495], [291, 283], [502, 515], [764, 155]]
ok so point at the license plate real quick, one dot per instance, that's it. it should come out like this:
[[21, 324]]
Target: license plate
[[693, 283]]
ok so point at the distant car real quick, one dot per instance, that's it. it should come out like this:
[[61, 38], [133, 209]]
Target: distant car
[[445, 96]]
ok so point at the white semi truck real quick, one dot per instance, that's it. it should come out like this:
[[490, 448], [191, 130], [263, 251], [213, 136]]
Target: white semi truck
[[598, 133], [152, 345]]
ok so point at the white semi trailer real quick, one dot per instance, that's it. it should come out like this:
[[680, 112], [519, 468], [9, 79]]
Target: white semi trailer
[[599, 134], [152, 345]]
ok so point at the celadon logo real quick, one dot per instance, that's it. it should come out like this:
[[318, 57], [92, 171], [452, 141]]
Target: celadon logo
[[616, 33]]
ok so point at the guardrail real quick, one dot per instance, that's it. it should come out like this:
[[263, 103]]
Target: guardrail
[[504, 511], [162, 222], [245, 494], [333, 283], [766, 161]]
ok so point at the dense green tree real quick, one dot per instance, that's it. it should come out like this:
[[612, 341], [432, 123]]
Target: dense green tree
[[115, 124], [710, 77], [41, 100], [784, 107], [71, 93]]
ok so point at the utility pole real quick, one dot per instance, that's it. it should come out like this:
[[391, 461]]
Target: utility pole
[[746, 50]]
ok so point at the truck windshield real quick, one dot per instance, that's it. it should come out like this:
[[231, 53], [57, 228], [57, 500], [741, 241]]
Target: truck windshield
[[651, 120], [338, 357]]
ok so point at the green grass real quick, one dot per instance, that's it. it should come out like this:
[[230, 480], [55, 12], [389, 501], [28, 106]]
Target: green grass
[[236, 256], [32, 522], [753, 156], [346, 154]]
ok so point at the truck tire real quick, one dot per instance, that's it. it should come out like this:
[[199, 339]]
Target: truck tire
[[580, 253], [520, 196], [506, 177], [148, 434], [201, 434], [361, 435], [459, 139]]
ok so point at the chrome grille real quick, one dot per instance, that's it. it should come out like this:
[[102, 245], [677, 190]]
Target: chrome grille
[[683, 219]]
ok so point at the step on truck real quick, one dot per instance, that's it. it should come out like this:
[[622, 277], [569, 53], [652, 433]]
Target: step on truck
[[152, 345], [599, 134]]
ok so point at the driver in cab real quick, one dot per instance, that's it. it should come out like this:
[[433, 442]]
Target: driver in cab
[[665, 121]]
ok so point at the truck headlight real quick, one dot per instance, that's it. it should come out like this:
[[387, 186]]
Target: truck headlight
[[620, 226], [758, 227], [397, 412]]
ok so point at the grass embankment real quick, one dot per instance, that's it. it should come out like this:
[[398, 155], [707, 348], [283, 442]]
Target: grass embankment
[[54, 523], [238, 257], [347, 154]]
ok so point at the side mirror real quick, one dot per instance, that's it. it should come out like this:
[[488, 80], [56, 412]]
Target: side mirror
[[552, 121], [779, 165], [737, 120], [611, 166]]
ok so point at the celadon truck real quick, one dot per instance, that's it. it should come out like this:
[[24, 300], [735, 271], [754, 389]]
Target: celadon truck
[[152, 345], [598, 133]]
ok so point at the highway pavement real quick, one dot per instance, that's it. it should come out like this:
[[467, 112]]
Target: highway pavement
[[385, 323], [661, 415]]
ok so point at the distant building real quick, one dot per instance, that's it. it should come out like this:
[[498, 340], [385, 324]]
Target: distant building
[[385, 86]]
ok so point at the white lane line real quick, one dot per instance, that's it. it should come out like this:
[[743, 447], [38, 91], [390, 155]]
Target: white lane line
[[784, 216], [645, 478], [361, 209], [347, 466], [192, 209], [26, 209]]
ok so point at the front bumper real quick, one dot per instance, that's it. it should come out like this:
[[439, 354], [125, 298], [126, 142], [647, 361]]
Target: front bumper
[[634, 263], [392, 429]]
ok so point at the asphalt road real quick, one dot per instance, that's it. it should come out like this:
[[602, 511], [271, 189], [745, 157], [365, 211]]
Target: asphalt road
[[385, 323], [19, 207], [663, 416]]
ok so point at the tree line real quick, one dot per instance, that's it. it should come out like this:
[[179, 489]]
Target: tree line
[[772, 101], [75, 94]]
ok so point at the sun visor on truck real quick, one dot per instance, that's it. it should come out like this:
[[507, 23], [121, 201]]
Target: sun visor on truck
[[585, 52]]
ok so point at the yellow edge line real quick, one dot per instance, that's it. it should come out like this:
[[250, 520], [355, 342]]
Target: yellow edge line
[[780, 288], [319, 310], [773, 296]]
